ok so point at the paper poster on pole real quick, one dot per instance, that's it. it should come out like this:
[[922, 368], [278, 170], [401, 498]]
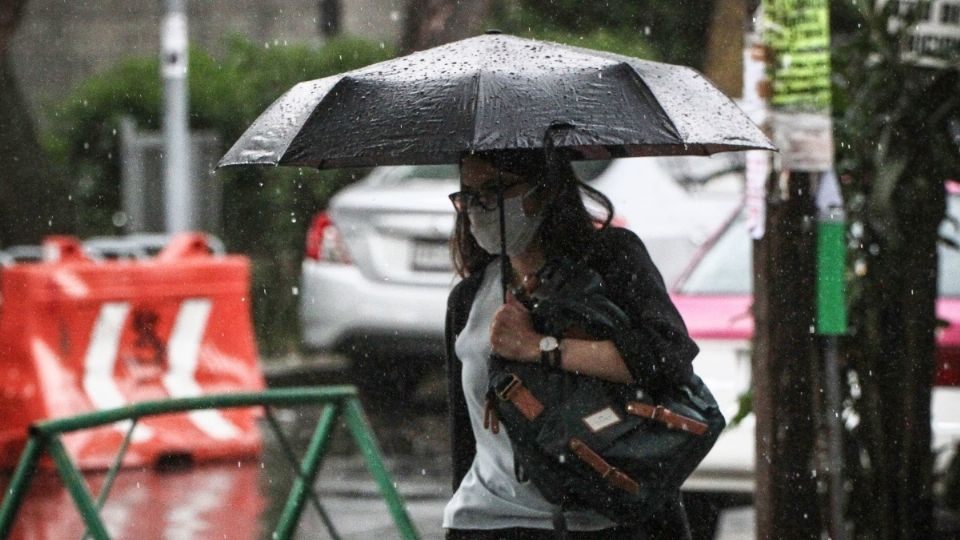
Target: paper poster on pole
[[758, 170], [798, 33], [805, 140]]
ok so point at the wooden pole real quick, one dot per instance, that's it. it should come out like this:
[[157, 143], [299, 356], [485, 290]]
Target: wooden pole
[[785, 375]]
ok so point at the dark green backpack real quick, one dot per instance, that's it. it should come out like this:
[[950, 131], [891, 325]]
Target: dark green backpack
[[588, 443]]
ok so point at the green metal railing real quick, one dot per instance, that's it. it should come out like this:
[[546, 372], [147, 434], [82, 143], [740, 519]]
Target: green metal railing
[[337, 402]]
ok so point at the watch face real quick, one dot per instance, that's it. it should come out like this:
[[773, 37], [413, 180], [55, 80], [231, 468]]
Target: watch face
[[549, 343]]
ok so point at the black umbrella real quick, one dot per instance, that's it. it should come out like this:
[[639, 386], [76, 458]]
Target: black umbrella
[[495, 92]]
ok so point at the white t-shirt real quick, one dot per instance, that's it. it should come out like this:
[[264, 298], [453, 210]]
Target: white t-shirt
[[490, 496]]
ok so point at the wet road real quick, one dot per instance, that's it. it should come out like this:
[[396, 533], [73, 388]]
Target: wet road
[[244, 499]]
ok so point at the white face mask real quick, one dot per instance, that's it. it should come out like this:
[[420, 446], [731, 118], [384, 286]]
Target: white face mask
[[520, 228]]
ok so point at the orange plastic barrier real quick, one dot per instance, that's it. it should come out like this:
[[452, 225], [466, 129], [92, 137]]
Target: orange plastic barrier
[[78, 335]]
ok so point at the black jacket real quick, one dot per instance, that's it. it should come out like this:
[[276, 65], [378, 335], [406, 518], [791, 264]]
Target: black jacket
[[658, 352]]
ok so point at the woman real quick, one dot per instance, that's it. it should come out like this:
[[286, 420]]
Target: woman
[[545, 217]]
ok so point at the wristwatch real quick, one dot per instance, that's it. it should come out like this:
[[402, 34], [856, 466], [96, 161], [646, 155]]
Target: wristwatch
[[550, 352]]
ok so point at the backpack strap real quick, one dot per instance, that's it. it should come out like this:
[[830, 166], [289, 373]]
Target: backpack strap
[[490, 419], [666, 417], [511, 389], [614, 476]]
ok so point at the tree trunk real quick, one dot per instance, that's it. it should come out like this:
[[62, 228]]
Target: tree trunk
[[434, 22], [894, 356], [901, 179], [785, 374], [11, 11], [29, 192], [724, 56], [331, 15]]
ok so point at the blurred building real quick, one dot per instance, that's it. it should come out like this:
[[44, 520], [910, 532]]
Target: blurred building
[[62, 42]]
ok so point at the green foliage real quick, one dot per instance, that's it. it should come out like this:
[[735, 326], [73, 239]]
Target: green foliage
[[895, 150], [674, 32], [265, 210], [892, 123], [744, 408]]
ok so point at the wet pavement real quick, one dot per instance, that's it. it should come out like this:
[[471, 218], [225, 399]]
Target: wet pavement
[[244, 499]]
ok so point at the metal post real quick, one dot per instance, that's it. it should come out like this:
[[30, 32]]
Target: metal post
[[308, 472], [178, 194], [17, 489], [359, 426], [133, 186], [298, 469], [835, 438], [77, 487], [832, 322]]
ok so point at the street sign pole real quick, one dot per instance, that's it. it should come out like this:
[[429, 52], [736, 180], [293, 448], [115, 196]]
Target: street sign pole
[[831, 323], [178, 194]]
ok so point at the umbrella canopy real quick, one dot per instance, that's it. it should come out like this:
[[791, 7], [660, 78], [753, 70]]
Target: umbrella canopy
[[495, 92]]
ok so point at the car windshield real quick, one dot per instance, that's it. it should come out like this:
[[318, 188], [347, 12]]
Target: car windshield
[[403, 173], [727, 267]]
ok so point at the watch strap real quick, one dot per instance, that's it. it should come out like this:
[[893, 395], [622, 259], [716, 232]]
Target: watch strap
[[551, 358], [555, 358], [545, 358]]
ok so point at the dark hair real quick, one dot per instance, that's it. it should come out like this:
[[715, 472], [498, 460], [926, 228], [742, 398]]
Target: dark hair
[[568, 226]]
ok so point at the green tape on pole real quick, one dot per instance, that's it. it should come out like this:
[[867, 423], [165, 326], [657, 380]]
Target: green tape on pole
[[831, 257]]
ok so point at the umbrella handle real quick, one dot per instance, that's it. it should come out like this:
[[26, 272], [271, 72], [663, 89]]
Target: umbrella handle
[[505, 269]]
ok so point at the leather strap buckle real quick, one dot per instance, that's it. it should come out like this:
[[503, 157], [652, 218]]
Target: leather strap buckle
[[614, 476], [504, 391], [657, 412], [520, 396], [666, 417]]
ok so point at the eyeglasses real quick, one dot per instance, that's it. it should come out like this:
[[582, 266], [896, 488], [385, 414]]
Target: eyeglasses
[[485, 198]]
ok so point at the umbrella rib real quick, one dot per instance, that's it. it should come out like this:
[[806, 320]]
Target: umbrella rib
[[336, 86], [476, 107], [648, 95]]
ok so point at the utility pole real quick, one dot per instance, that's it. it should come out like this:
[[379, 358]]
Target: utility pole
[[787, 372], [178, 188]]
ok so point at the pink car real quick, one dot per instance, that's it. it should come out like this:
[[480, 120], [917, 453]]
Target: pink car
[[715, 295]]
